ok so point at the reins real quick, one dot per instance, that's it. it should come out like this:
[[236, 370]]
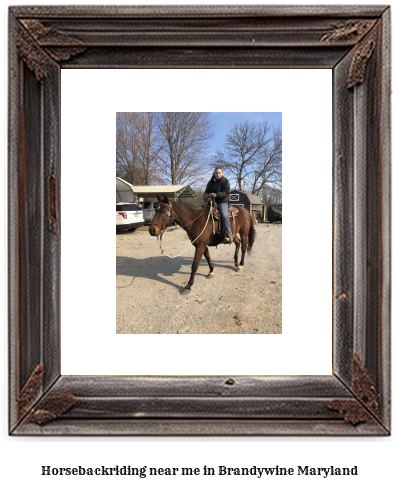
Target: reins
[[182, 226]]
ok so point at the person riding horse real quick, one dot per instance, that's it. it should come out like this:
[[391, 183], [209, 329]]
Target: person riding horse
[[218, 188], [195, 221]]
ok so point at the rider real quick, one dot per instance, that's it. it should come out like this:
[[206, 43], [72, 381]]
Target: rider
[[219, 187]]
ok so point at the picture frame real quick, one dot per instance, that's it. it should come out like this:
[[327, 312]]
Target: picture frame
[[352, 41]]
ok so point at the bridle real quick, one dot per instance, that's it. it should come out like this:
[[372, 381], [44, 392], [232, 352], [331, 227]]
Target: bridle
[[172, 217], [163, 226]]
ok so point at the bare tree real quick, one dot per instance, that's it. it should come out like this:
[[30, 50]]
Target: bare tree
[[150, 145], [271, 196], [127, 143], [252, 154], [186, 136], [244, 144], [268, 169], [137, 147]]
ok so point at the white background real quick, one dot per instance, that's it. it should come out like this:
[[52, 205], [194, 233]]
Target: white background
[[376, 458], [89, 343]]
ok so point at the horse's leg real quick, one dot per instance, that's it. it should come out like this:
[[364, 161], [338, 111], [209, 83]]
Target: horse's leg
[[208, 258], [244, 243], [199, 250], [237, 243]]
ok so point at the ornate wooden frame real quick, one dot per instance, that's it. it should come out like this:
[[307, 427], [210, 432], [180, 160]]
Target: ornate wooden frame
[[353, 41]]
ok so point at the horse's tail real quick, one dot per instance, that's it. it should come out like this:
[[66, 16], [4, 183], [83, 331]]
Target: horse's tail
[[251, 236]]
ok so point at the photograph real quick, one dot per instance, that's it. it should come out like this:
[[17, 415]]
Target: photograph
[[198, 198]]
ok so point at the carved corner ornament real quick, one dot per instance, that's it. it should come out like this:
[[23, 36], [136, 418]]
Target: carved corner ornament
[[351, 31], [39, 46], [367, 405], [362, 54], [30, 390], [364, 33], [51, 407]]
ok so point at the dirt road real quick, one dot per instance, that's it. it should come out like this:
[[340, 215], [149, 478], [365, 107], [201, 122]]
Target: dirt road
[[148, 286]]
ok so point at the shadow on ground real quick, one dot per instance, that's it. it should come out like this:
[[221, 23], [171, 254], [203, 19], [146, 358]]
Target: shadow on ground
[[159, 268]]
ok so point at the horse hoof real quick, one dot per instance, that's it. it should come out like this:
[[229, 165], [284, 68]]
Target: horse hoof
[[239, 268], [185, 291], [210, 276]]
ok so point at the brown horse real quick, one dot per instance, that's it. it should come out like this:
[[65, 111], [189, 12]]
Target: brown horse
[[193, 220]]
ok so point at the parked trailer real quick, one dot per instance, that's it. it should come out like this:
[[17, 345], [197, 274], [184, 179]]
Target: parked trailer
[[275, 213], [149, 208], [124, 192]]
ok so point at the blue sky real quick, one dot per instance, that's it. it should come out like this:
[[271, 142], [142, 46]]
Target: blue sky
[[223, 121]]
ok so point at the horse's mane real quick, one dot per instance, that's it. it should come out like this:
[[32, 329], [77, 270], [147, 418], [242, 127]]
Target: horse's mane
[[185, 204], [190, 205]]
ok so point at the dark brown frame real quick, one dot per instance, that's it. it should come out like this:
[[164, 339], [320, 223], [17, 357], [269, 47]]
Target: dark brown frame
[[353, 41]]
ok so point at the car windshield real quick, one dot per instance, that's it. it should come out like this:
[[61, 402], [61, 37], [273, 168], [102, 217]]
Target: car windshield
[[147, 205], [127, 207]]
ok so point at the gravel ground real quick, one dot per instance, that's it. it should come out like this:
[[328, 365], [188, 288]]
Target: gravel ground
[[148, 286]]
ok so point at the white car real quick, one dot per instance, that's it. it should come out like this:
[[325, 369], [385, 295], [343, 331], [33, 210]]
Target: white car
[[128, 216]]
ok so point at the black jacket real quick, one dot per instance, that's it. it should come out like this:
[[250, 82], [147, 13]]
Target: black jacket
[[219, 186]]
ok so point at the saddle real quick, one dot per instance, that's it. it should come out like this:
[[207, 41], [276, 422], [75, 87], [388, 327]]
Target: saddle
[[232, 212]]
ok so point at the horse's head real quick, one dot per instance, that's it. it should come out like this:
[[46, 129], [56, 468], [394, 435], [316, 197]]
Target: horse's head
[[163, 216]]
